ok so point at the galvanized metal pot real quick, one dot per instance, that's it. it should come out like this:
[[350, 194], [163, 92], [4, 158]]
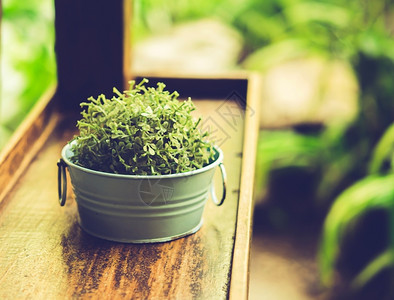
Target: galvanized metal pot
[[139, 208]]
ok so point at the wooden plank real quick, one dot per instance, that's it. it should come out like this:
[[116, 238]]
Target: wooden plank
[[45, 254], [127, 49], [26, 142], [44, 247], [239, 287]]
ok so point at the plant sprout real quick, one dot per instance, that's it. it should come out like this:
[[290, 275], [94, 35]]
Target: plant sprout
[[142, 131]]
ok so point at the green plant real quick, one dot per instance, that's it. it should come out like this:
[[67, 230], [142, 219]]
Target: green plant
[[375, 191], [372, 147], [142, 131], [278, 149], [28, 58]]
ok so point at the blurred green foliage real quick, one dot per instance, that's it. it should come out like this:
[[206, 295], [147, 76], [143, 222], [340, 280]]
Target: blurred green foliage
[[375, 191], [349, 164], [329, 27], [28, 60], [314, 165], [334, 157], [352, 161], [371, 149]]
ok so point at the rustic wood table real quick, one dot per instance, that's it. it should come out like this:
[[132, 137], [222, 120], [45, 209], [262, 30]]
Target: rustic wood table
[[44, 254]]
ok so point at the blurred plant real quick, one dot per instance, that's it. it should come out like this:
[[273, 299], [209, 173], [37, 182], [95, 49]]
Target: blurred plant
[[298, 25], [28, 60], [305, 24], [287, 162], [370, 142], [281, 148], [155, 17], [352, 161], [375, 191]]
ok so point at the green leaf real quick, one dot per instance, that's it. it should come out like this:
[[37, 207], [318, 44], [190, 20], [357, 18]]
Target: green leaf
[[384, 260], [369, 193], [282, 148], [383, 151]]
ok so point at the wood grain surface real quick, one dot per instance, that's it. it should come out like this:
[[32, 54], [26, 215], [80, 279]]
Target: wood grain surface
[[239, 288], [26, 141], [44, 254]]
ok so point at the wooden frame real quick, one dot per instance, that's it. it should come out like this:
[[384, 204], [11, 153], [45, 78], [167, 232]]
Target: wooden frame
[[27, 141], [239, 288], [223, 243], [25, 194]]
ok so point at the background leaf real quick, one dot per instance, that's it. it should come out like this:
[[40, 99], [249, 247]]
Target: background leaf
[[370, 192]]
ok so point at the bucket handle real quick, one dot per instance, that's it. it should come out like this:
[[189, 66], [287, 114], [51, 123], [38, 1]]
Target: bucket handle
[[62, 184], [224, 181], [62, 181]]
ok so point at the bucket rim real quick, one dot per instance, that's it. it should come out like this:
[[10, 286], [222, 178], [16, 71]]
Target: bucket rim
[[212, 165]]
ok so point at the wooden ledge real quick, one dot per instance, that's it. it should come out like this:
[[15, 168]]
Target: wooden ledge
[[27, 141], [45, 254]]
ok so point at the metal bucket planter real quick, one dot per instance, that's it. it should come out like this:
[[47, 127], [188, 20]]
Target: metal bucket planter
[[139, 208]]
